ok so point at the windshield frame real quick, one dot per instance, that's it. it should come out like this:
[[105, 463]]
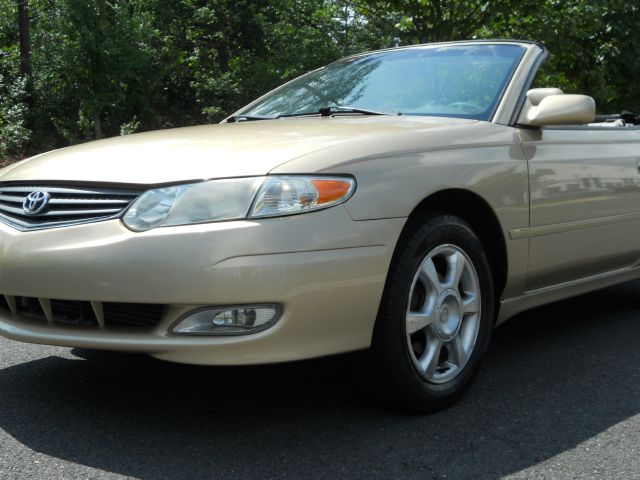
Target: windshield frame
[[503, 91]]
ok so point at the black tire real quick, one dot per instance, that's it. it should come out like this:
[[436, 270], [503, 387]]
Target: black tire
[[398, 379]]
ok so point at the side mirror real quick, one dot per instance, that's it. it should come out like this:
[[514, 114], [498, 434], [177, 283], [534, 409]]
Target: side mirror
[[552, 107]]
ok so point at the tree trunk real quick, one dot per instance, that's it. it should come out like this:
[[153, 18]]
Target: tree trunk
[[223, 57], [97, 124], [25, 37], [346, 30]]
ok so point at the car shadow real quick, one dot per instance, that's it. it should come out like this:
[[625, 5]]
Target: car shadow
[[553, 378]]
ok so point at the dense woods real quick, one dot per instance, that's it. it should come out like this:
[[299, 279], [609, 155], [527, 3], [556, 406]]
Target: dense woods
[[76, 70]]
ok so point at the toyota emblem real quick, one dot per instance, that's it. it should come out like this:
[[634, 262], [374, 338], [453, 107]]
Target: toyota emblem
[[35, 202]]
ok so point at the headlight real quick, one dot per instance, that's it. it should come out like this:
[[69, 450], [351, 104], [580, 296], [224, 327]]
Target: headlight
[[288, 195], [192, 203], [235, 199]]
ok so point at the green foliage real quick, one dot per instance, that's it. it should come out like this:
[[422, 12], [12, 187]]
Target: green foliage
[[421, 21], [93, 66], [111, 67], [592, 45], [14, 134]]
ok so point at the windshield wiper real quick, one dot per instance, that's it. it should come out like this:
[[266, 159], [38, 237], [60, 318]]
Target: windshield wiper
[[247, 118], [323, 112], [328, 111]]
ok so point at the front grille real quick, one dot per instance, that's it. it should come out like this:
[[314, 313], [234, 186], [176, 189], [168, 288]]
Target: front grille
[[86, 314], [67, 205], [142, 315], [29, 306], [73, 313]]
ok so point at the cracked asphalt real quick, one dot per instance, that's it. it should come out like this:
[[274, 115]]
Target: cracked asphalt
[[558, 397]]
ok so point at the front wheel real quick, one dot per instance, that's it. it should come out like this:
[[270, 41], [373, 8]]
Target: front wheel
[[436, 314]]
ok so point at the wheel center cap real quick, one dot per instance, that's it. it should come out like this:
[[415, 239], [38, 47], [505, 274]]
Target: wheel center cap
[[449, 314]]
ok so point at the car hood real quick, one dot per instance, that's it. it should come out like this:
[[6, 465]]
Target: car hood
[[211, 151]]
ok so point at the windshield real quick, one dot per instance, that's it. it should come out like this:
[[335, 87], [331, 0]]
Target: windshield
[[454, 81]]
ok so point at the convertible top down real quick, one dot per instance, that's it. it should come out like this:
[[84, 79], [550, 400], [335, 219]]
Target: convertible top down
[[404, 201]]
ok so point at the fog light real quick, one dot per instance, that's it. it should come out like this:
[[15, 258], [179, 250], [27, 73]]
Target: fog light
[[237, 320]]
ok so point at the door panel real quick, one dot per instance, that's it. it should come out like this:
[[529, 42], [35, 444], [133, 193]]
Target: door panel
[[585, 202]]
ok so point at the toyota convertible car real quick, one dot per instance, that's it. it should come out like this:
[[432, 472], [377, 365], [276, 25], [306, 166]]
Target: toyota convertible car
[[405, 201]]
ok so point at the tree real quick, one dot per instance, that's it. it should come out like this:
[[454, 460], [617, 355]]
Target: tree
[[422, 21], [25, 37], [14, 109], [591, 45], [105, 67]]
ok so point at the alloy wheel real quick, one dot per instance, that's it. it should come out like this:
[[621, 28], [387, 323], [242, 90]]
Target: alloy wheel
[[443, 313]]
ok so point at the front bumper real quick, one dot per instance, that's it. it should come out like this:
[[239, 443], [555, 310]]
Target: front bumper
[[325, 269]]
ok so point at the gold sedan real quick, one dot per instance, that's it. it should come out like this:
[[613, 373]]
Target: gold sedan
[[405, 200]]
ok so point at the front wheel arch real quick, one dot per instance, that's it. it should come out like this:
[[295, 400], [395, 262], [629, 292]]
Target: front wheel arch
[[479, 214]]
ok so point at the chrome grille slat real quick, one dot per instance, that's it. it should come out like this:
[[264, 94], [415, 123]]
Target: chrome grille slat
[[87, 201], [70, 205], [70, 190], [22, 225], [9, 198], [53, 213]]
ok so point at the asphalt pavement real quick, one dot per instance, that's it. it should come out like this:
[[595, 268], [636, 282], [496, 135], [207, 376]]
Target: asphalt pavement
[[558, 397]]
